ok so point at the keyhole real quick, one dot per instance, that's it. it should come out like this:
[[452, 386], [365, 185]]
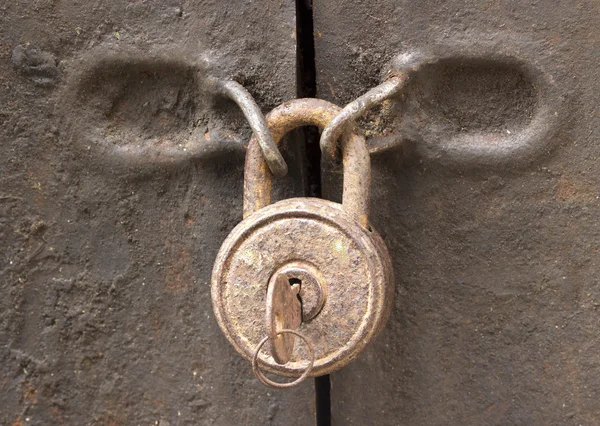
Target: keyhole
[[296, 281]]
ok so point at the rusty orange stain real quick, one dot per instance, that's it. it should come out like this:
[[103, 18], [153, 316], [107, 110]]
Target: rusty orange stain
[[576, 191], [178, 277], [164, 119], [29, 392], [189, 219], [331, 90], [57, 414]]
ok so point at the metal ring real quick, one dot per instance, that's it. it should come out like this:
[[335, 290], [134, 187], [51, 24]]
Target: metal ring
[[268, 382], [238, 94], [355, 109]]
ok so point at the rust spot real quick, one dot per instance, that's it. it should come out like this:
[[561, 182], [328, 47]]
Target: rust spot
[[164, 119], [178, 278], [57, 414], [576, 191], [331, 90], [17, 422], [119, 106], [28, 392], [498, 410], [189, 219]]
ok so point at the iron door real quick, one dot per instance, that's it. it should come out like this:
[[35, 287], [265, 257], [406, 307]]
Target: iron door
[[105, 313], [486, 191]]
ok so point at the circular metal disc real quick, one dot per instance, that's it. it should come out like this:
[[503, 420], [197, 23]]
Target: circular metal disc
[[352, 260]]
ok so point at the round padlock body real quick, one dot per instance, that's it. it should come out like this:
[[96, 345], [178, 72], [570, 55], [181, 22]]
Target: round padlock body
[[353, 266]]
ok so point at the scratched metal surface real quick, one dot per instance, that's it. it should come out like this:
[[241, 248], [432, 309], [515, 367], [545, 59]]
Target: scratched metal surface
[[490, 218], [105, 313]]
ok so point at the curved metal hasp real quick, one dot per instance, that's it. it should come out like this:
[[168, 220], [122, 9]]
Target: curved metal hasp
[[238, 94], [394, 83], [309, 112], [357, 108]]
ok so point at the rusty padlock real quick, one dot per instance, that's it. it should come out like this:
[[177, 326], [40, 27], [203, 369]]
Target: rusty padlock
[[341, 263]]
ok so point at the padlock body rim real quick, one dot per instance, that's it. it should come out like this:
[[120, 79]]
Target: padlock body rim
[[377, 257]]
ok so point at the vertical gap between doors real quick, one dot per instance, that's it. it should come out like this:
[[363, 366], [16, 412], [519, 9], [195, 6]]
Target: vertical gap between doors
[[307, 88]]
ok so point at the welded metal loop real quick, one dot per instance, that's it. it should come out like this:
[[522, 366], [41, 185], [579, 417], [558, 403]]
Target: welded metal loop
[[268, 382], [238, 94], [355, 109], [309, 112]]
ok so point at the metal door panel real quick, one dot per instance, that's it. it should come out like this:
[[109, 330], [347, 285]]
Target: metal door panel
[[496, 262], [105, 314]]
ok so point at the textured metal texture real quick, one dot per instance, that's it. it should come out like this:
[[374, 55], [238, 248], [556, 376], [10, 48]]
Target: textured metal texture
[[105, 313], [309, 112], [256, 120], [495, 254], [357, 108], [336, 240], [352, 260]]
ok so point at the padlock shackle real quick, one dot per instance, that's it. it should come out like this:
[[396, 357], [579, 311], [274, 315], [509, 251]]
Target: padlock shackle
[[309, 112]]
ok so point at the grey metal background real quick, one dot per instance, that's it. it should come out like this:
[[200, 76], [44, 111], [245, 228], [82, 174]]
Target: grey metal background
[[105, 313], [496, 314]]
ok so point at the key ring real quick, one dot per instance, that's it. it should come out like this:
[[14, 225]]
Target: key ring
[[268, 382]]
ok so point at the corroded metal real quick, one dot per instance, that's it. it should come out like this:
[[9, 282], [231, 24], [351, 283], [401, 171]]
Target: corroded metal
[[527, 105], [356, 108], [284, 311], [237, 93], [313, 288], [346, 253], [307, 370], [107, 241], [309, 112], [352, 260]]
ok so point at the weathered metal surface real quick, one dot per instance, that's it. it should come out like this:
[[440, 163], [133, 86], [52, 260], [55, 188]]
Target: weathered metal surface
[[496, 256], [355, 109], [335, 239], [105, 313], [309, 112], [529, 104], [283, 311], [313, 290], [256, 120], [352, 260]]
